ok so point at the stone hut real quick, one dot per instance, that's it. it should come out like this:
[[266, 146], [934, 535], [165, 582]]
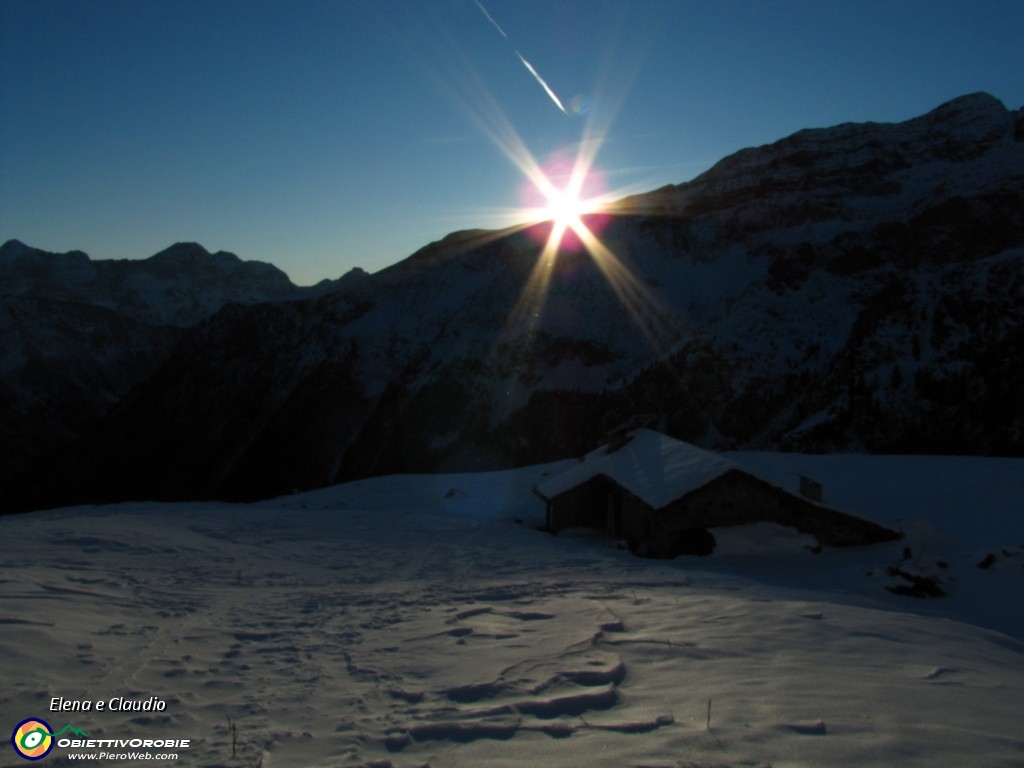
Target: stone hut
[[662, 496]]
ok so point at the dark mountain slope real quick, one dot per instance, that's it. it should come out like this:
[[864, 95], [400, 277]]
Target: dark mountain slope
[[62, 366], [850, 288]]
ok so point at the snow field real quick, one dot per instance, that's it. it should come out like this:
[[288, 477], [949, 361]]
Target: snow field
[[409, 621]]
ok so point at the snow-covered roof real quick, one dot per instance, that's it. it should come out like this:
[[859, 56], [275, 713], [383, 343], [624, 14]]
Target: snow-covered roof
[[651, 466]]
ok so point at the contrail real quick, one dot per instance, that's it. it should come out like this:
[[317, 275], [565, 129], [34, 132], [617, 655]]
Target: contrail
[[490, 18], [540, 80], [528, 65]]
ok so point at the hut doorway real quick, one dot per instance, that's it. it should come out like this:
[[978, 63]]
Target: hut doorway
[[607, 498]]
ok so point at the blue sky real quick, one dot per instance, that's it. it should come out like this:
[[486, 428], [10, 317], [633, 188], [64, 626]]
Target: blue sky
[[323, 135]]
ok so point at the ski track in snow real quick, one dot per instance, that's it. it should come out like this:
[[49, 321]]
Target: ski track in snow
[[335, 635]]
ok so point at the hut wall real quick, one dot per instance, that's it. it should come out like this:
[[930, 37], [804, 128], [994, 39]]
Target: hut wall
[[737, 498], [569, 509], [585, 506], [602, 504], [636, 521]]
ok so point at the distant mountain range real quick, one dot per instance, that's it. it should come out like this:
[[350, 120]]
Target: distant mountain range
[[854, 288], [178, 286]]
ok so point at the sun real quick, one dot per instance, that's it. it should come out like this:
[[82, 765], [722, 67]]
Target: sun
[[565, 207], [562, 190]]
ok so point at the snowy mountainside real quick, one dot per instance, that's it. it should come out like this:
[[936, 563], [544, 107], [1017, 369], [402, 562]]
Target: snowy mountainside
[[179, 286], [857, 171], [76, 335], [63, 364], [859, 287]]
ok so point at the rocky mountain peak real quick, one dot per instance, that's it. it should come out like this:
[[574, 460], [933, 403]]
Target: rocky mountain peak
[[25, 270], [853, 170], [977, 119], [194, 255], [13, 249], [180, 285], [192, 261], [967, 108]]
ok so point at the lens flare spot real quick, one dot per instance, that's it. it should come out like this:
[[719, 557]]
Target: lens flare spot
[[579, 104]]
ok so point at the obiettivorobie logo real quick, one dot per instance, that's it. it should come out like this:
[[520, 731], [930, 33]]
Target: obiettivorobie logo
[[33, 739]]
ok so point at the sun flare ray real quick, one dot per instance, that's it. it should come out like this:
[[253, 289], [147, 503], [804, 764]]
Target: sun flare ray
[[566, 208], [565, 195], [643, 306]]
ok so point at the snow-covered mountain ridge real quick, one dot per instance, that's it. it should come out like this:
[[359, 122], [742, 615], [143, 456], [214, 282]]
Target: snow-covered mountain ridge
[[859, 287], [179, 286], [76, 335]]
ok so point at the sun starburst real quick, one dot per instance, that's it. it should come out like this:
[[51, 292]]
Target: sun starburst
[[564, 208], [568, 193], [571, 196]]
